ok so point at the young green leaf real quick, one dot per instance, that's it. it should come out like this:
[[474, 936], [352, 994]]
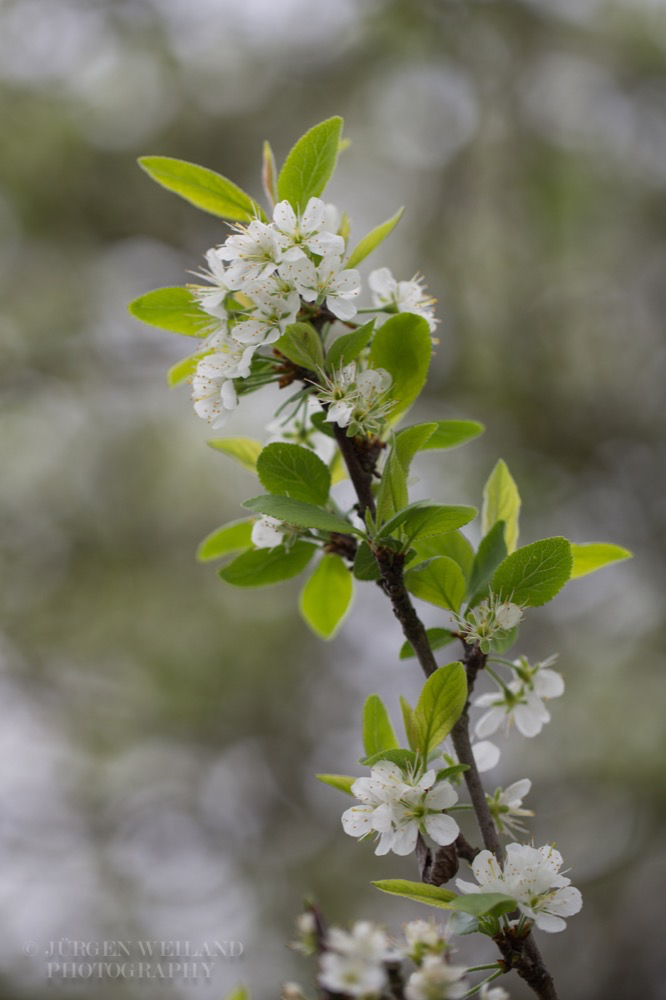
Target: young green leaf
[[269, 174], [403, 347], [492, 551], [310, 164], [293, 471], [588, 557], [453, 544], [302, 344], [411, 728], [439, 707], [232, 537], [405, 759], [484, 904], [244, 450], [426, 520], [349, 346], [174, 309], [392, 494], [372, 239], [202, 187], [342, 782], [535, 573], [420, 892], [453, 433], [182, 370], [412, 439], [326, 597], [262, 567], [378, 734], [437, 637], [303, 515], [365, 564], [439, 582], [501, 502]]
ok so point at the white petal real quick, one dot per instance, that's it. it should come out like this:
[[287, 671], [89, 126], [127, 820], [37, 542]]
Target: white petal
[[548, 923], [486, 755], [284, 217], [566, 902], [404, 840], [441, 796], [490, 722], [341, 308], [516, 792], [357, 821], [528, 722], [442, 829], [548, 684]]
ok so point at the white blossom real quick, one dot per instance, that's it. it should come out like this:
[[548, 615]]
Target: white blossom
[[308, 230], [402, 296], [228, 358], [491, 619], [545, 683], [530, 876], [511, 704], [489, 992], [398, 807], [270, 314], [327, 281], [506, 806], [212, 299], [436, 980], [424, 937], [356, 396], [354, 963], [254, 254], [213, 398], [267, 532]]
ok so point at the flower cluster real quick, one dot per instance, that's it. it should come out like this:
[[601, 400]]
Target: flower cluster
[[397, 806], [506, 806], [521, 700], [356, 399], [492, 619], [530, 876], [265, 276], [354, 963]]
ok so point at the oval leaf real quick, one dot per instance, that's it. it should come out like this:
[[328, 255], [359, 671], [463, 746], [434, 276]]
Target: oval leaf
[[453, 433], [202, 187], [403, 347], [293, 471], [440, 705], [378, 732], [173, 309], [244, 450], [432, 519], [342, 782], [310, 163], [349, 346], [326, 597], [439, 582], [420, 892], [301, 344], [372, 240], [501, 502], [484, 904], [262, 567], [232, 537], [535, 573], [588, 557], [303, 515]]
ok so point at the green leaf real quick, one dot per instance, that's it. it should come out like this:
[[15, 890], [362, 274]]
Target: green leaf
[[262, 567], [492, 551], [293, 471], [310, 164], [238, 993], [303, 515], [535, 573], [365, 564], [302, 344], [403, 347], [232, 537], [453, 772], [426, 520], [378, 732], [269, 173], [182, 370], [588, 557], [439, 582], [173, 309], [349, 346], [326, 597], [409, 722], [452, 433], [342, 782], [437, 637], [405, 759], [440, 705], [202, 187], [244, 450], [412, 439], [501, 502], [392, 494], [484, 904], [420, 892], [372, 239], [453, 544]]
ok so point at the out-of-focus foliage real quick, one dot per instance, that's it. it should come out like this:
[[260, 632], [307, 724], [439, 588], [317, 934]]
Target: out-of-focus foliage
[[160, 732]]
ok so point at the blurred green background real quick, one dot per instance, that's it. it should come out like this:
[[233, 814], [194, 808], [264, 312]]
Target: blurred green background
[[159, 731]]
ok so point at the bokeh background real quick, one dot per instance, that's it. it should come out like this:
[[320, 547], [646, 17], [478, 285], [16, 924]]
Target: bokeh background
[[158, 730]]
